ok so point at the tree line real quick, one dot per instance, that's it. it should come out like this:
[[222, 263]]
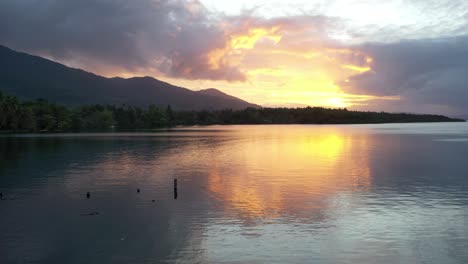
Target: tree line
[[43, 116]]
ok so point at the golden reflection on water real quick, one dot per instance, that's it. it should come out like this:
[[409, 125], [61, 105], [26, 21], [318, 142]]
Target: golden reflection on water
[[278, 173], [253, 171]]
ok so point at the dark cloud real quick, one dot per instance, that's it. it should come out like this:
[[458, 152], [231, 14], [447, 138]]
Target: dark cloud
[[430, 72], [170, 36]]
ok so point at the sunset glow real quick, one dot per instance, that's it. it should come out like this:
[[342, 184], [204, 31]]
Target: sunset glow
[[242, 131], [343, 53], [280, 70]]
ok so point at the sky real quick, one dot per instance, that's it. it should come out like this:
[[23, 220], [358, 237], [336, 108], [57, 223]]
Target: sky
[[394, 55]]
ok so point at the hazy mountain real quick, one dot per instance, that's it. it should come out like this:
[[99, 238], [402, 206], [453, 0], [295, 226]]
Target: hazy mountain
[[32, 77]]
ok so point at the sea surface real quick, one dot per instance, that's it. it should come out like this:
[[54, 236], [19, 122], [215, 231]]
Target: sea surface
[[391, 193]]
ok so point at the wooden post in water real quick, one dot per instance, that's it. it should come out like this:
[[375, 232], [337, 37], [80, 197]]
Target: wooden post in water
[[175, 189], [138, 190], [88, 195]]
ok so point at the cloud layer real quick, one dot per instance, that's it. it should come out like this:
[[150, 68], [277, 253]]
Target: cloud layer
[[426, 73], [320, 56], [167, 36]]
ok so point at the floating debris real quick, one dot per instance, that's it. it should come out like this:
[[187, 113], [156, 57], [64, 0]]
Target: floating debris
[[90, 214]]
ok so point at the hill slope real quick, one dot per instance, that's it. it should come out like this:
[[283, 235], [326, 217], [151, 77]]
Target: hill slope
[[32, 77]]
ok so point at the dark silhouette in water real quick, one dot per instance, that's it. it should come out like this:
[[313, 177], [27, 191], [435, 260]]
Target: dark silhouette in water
[[138, 190], [90, 214], [1, 196], [88, 195], [175, 189], [153, 201]]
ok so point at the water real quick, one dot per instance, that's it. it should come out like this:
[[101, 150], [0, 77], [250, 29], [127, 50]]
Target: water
[[246, 194]]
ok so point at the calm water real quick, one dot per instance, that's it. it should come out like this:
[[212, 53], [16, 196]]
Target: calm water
[[246, 194]]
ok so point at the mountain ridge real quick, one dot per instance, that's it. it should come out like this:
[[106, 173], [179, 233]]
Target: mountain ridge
[[31, 77]]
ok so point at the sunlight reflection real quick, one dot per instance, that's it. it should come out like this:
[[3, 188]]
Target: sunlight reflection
[[303, 170]]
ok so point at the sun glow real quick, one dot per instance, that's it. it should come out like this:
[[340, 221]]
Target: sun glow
[[336, 102], [278, 70], [280, 73]]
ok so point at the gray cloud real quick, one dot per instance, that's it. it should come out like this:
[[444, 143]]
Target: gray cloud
[[171, 36], [431, 72]]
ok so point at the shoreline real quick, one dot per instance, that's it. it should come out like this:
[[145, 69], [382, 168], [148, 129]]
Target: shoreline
[[175, 128]]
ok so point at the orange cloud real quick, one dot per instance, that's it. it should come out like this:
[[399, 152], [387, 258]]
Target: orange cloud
[[236, 43], [356, 68]]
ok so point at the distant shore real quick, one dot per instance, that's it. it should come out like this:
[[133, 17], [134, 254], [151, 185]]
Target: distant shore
[[40, 116]]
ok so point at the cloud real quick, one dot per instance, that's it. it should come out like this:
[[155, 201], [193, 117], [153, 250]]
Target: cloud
[[430, 72], [173, 38], [167, 36]]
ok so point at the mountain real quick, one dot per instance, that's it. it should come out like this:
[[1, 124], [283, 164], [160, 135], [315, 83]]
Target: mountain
[[31, 77], [217, 93]]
